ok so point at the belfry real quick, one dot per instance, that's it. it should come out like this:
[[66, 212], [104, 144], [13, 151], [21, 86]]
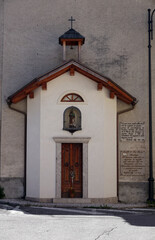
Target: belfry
[[71, 38]]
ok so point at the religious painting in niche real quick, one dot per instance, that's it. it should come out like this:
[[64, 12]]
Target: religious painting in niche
[[72, 119], [72, 97]]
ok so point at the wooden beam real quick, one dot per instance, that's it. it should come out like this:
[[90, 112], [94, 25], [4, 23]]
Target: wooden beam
[[32, 86], [79, 50], [42, 81], [18, 98], [99, 86], [89, 75], [44, 86], [121, 92], [72, 72], [72, 41], [112, 94], [54, 75], [64, 50], [31, 95], [124, 99]]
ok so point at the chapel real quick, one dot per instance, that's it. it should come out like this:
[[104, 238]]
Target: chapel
[[71, 148]]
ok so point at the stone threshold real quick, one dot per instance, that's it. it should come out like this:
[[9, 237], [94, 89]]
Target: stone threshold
[[74, 200]]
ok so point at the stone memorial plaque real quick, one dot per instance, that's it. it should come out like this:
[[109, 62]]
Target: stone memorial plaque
[[132, 163], [132, 131]]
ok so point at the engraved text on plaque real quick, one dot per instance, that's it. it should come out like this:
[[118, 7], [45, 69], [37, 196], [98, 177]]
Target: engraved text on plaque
[[132, 163], [132, 131]]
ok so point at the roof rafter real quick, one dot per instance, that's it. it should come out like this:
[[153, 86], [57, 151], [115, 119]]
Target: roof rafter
[[80, 68]]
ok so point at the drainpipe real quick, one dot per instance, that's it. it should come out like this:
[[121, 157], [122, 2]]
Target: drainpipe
[[119, 113], [25, 140], [150, 37]]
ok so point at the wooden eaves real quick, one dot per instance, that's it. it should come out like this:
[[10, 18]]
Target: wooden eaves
[[72, 66]]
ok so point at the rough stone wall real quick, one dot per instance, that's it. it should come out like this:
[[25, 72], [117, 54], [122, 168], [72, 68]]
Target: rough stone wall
[[116, 45]]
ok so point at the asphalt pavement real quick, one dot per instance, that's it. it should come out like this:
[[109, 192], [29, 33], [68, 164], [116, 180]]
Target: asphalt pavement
[[56, 223]]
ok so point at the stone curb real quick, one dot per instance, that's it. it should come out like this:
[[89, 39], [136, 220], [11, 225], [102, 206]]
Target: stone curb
[[19, 202]]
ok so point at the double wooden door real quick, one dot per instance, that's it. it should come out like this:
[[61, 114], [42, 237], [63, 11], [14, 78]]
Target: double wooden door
[[71, 170]]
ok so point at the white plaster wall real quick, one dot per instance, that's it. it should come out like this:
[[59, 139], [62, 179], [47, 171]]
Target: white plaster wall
[[98, 122]]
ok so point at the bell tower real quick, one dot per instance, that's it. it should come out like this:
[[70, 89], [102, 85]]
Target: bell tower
[[71, 38]]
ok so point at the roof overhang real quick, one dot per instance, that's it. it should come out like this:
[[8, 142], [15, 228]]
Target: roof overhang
[[72, 66], [72, 42], [71, 37]]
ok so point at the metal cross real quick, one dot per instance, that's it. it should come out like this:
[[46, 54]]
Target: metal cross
[[71, 20]]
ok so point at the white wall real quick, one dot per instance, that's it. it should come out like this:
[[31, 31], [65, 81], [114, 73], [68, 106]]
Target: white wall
[[98, 122]]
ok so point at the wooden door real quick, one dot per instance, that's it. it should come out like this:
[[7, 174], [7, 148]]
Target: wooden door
[[71, 170]]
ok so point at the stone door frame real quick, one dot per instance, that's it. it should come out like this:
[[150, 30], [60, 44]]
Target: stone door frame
[[84, 141]]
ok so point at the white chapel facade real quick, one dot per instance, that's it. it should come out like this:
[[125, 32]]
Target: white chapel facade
[[71, 149]]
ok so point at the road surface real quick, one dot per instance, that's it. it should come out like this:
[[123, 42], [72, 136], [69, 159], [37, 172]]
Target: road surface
[[35, 223]]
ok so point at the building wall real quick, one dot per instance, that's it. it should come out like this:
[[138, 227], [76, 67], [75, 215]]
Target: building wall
[[98, 111], [116, 45], [33, 167]]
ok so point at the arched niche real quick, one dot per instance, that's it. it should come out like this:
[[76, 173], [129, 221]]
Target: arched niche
[[72, 119]]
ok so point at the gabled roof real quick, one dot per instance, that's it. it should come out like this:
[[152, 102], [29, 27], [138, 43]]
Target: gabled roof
[[71, 34], [72, 66]]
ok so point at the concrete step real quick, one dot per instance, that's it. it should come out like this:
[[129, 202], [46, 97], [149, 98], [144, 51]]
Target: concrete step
[[72, 200]]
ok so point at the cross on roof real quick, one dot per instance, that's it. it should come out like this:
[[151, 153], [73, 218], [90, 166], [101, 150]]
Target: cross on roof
[[71, 20]]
